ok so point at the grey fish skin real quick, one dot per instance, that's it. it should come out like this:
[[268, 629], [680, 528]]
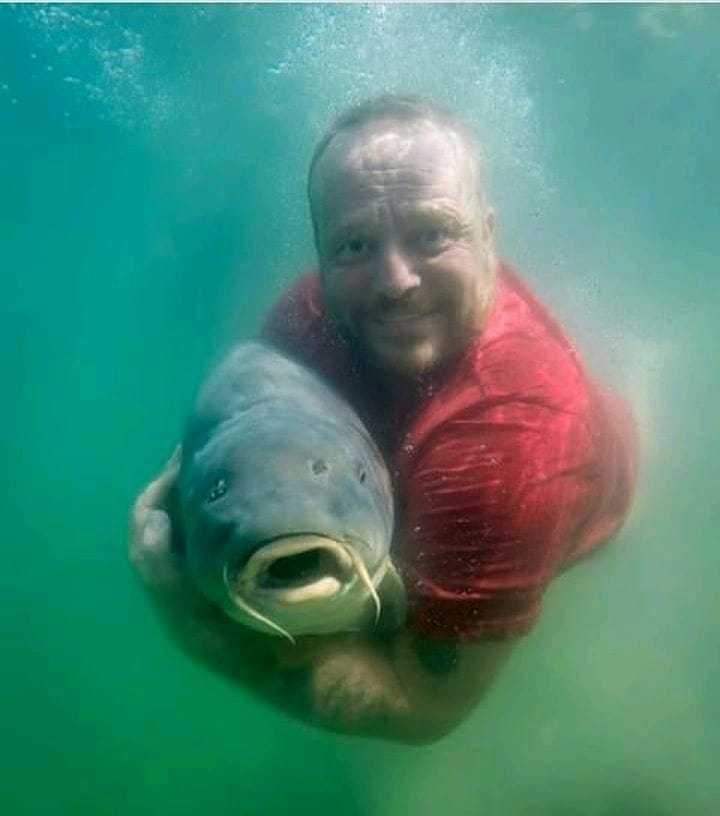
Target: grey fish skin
[[286, 503]]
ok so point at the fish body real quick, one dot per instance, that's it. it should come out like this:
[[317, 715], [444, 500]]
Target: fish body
[[286, 503]]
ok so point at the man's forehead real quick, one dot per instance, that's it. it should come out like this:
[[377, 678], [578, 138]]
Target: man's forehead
[[388, 143], [391, 155], [418, 214]]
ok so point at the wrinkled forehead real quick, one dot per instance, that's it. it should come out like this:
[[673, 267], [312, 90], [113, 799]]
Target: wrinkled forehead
[[389, 153]]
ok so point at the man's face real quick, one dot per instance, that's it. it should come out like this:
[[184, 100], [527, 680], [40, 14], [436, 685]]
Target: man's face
[[405, 249]]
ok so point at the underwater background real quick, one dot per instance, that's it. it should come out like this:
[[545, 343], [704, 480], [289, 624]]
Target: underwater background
[[152, 163]]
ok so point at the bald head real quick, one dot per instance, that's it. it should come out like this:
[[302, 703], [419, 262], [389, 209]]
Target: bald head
[[403, 237], [380, 125]]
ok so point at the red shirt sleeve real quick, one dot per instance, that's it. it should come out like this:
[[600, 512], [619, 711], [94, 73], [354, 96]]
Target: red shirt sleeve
[[504, 489], [298, 326], [293, 319]]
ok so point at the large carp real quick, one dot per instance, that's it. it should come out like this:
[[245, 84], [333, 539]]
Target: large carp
[[286, 504]]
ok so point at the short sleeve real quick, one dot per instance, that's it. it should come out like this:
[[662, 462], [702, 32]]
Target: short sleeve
[[298, 326], [292, 318], [496, 497]]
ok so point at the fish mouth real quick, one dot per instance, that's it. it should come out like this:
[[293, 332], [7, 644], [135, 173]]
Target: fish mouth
[[295, 570], [298, 568]]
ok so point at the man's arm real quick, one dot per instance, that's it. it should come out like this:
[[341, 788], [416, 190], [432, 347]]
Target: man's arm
[[399, 687], [200, 629], [410, 689]]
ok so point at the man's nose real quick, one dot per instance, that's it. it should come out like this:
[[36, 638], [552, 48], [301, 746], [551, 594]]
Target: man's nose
[[395, 274]]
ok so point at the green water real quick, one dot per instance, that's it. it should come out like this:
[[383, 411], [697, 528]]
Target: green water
[[151, 208]]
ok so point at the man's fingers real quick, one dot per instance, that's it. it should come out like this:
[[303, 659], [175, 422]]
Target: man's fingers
[[150, 550], [150, 545], [353, 686], [156, 493]]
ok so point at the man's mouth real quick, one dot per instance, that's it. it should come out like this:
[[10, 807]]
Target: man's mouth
[[401, 323], [400, 316]]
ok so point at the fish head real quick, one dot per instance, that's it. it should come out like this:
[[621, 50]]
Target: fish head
[[288, 519]]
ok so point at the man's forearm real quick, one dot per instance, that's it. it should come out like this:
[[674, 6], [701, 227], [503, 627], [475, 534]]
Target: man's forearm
[[407, 689], [398, 687]]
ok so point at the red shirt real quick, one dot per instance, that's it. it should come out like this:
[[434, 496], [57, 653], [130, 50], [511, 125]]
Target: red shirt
[[512, 466]]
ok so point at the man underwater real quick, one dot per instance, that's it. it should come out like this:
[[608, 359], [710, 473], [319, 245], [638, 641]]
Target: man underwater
[[510, 464]]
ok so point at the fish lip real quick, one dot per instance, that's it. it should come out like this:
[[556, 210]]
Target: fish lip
[[246, 580]]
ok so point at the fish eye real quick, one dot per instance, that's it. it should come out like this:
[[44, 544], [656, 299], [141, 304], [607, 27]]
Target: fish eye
[[218, 490], [361, 473]]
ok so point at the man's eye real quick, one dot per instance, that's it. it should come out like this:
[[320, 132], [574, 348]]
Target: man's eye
[[432, 239], [352, 249]]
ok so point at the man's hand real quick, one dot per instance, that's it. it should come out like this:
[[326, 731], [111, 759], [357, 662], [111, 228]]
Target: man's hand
[[150, 547], [201, 630], [351, 684], [327, 680], [399, 688], [403, 688]]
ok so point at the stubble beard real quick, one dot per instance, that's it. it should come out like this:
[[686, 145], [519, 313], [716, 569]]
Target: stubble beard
[[399, 363], [405, 365]]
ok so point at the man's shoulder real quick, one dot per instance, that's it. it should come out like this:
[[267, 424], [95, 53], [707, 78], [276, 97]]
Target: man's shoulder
[[298, 312], [520, 371], [299, 326], [302, 296], [524, 349]]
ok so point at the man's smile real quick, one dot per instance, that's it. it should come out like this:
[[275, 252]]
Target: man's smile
[[397, 321], [405, 250], [396, 317]]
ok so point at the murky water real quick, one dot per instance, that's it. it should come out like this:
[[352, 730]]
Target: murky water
[[151, 208]]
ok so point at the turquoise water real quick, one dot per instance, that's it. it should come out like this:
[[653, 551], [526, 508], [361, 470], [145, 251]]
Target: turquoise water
[[151, 208]]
